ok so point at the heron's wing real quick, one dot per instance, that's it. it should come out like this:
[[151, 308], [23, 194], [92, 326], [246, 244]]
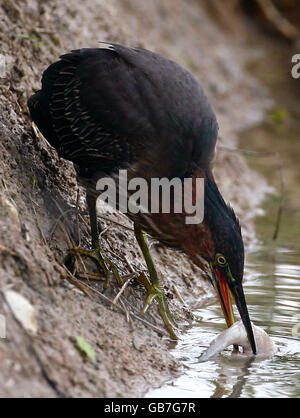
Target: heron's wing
[[108, 103]]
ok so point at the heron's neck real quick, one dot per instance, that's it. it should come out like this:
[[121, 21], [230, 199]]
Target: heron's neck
[[213, 200]]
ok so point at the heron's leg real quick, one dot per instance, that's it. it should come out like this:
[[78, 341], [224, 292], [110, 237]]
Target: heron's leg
[[97, 253], [153, 288], [91, 201]]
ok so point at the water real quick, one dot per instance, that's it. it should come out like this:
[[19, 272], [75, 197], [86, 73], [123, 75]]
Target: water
[[273, 296]]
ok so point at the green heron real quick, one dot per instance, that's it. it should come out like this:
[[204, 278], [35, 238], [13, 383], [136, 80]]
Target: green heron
[[113, 108]]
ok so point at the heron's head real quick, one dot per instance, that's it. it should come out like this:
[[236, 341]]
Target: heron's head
[[225, 260]]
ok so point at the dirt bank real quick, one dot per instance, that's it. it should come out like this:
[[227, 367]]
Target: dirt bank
[[38, 197]]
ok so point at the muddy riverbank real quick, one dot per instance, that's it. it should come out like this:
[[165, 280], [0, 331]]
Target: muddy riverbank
[[37, 188]]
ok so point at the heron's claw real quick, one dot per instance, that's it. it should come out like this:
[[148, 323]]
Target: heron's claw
[[155, 292], [101, 260]]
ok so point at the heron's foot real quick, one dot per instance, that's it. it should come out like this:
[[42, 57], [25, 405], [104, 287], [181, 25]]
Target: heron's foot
[[98, 255], [155, 292]]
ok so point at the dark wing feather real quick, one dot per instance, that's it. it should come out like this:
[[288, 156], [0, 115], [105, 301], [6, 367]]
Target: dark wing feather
[[108, 106]]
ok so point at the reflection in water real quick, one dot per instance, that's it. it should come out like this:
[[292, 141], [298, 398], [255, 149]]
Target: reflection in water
[[273, 294]]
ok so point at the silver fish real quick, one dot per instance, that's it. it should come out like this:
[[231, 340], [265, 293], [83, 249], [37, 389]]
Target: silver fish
[[237, 335]]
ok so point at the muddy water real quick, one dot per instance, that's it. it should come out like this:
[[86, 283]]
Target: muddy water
[[272, 272]]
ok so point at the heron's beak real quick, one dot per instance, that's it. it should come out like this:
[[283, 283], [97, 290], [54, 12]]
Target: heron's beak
[[224, 294], [241, 304]]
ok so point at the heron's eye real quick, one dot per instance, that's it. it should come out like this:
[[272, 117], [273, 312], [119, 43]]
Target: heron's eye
[[221, 260]]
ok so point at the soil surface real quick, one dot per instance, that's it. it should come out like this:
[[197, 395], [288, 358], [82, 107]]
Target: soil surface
[[39, 195]]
